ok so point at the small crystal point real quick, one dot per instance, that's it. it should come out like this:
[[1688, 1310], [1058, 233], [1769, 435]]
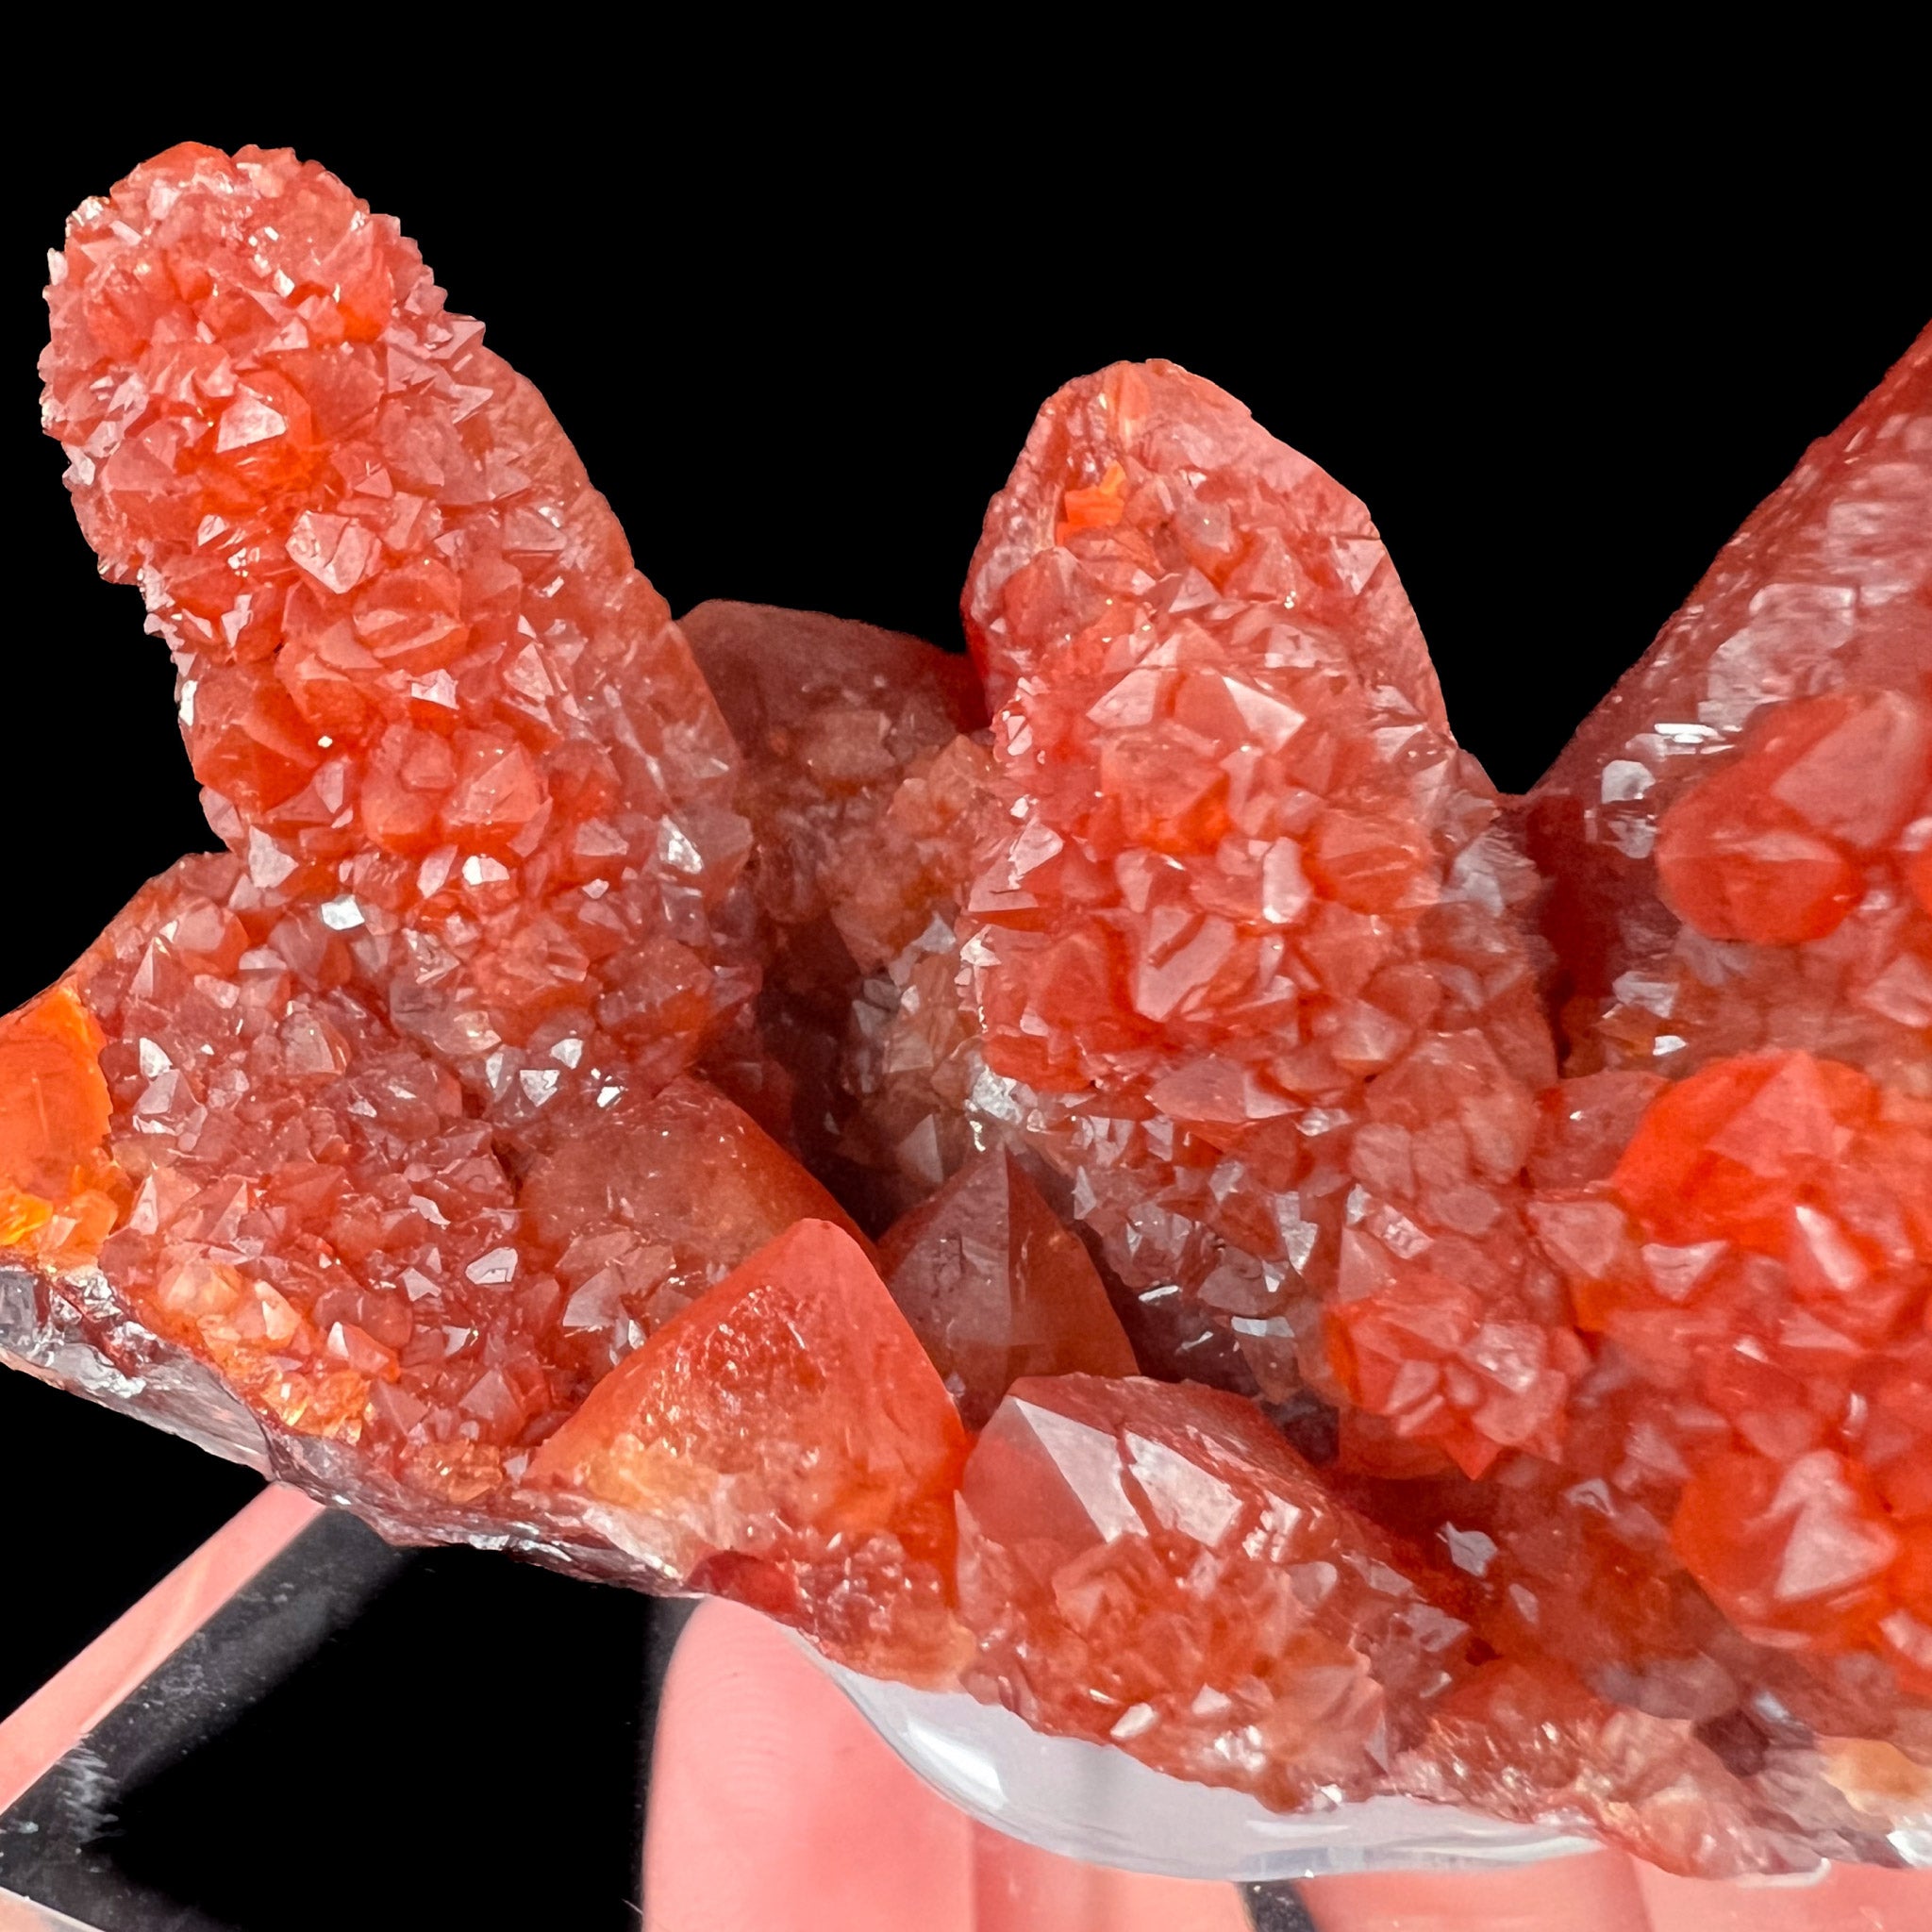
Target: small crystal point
[[468, 1141], [996, 1288], [785, 1440]]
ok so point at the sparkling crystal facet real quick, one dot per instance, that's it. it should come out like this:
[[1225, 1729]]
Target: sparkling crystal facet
[[473, 1141], [996, 1288], [784, 1441], [1151, 1565]]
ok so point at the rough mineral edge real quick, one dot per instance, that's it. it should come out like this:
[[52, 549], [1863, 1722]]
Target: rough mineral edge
[[1735, 908], [847, 737], [45, 1335], [62, 1339]]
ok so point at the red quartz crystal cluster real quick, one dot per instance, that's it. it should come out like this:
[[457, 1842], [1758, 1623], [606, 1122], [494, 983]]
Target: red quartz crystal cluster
[[1246, 968], [1379, 1289]]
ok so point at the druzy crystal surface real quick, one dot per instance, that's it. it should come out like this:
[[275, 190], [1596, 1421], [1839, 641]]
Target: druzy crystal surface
[[785, 1440], [1152, 1565], [1244, 969], [1120, 1175]]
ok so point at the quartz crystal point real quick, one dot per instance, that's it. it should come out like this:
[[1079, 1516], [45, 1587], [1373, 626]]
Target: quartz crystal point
[[364, 1149], [998, 1288], [483, 1140], [1241, 966], [671, 1196], [1151, 1565], [1732, 1179], [432, 704], [784, 1441]]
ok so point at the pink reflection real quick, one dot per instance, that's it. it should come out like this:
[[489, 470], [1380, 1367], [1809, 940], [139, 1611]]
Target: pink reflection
[[70, 1704]]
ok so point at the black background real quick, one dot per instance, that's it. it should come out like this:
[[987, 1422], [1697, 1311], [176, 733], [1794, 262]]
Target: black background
[[799, 351]]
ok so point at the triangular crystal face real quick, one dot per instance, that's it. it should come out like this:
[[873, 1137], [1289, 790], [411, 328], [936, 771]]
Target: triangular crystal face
[[484, 1137], [996, 1286], [784, 1441]]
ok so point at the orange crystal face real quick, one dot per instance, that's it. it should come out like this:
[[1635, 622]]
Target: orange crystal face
[[1764, 1250], [996, 1288], [59, 1194], [1152, 1566], [1775, 847], [785, 1440], [486, 1137]]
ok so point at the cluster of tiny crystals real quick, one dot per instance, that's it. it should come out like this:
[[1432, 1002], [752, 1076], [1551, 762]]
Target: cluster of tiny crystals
[[1130, 1182]]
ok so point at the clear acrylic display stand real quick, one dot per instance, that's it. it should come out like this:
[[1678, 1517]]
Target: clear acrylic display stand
[[1101, 1806]]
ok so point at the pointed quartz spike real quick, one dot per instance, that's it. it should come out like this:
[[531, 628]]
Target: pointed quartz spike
[[669, 1196], [1243, 960], [1738, 833], [1733, 1176], [784, 1441], [995, 1288], [1150, 1565], [422, 684]]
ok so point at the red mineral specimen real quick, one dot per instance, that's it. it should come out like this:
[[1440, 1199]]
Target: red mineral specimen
[[850, 741], [434, 1145], [430, 698], [1152, 1565], [1242, 969], [380, 1128], [996, 1288], [784, 1441]]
